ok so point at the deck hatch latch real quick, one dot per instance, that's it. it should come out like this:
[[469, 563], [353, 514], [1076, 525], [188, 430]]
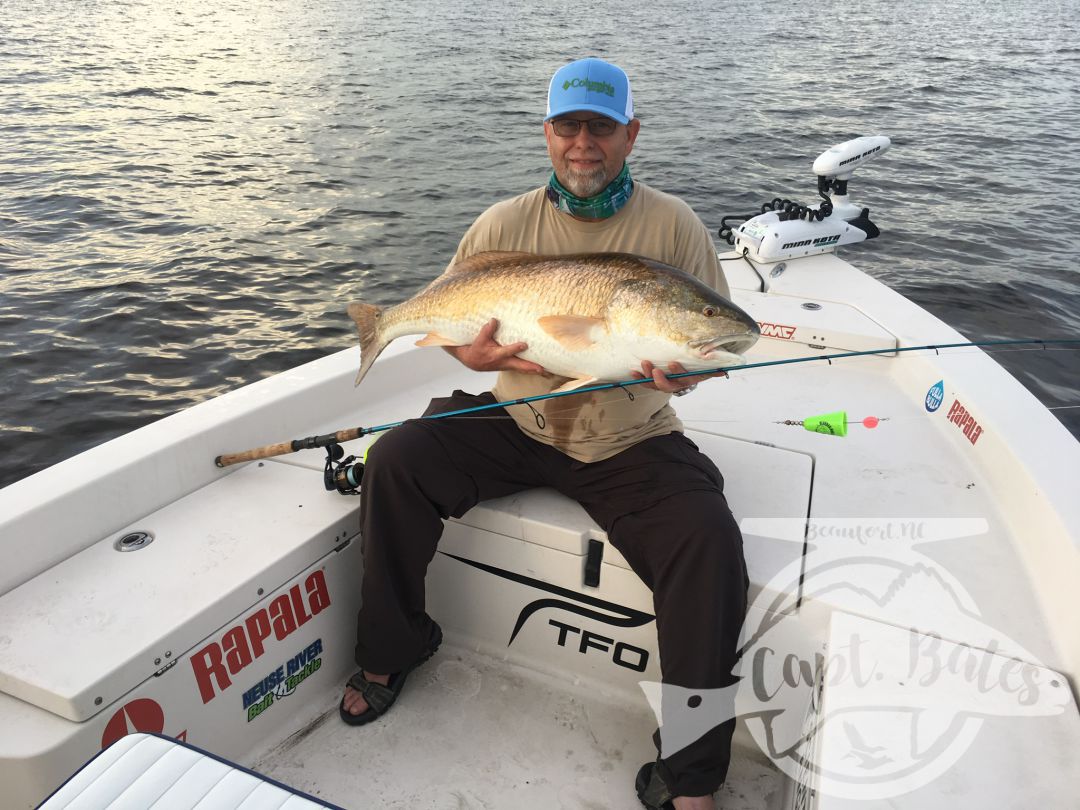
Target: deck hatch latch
[[593, 558]]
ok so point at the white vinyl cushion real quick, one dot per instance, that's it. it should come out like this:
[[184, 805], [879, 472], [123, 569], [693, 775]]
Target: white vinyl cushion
[[142, 771]]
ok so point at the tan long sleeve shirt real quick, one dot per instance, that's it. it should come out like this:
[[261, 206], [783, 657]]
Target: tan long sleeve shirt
[[596, 425]]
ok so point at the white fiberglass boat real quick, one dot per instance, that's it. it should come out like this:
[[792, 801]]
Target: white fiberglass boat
[[912, 639]]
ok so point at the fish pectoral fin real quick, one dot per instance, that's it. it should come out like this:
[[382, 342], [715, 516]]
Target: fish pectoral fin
[[435, 339], [572, 331], [579, 382]]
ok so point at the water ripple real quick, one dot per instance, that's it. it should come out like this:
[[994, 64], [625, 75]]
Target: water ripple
[[191, 190]]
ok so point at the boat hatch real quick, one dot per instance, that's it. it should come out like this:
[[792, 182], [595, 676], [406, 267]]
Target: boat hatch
[[817, 324], [95, 626], [942, 720]]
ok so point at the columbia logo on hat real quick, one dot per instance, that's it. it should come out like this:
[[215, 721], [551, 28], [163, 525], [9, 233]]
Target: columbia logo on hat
[[593, 85], [598, 87]]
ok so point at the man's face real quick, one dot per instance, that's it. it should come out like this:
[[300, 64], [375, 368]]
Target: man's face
[[585, 163]]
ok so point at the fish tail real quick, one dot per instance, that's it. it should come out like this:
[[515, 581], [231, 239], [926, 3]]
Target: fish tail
[[366, 317]]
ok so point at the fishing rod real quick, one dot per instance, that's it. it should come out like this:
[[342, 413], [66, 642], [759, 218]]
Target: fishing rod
[[343, 475]]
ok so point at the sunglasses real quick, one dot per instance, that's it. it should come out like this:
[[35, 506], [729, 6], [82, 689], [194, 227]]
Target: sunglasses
[[569, 127]]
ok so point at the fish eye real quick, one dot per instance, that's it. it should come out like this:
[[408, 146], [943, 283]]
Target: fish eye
[[710, 312]]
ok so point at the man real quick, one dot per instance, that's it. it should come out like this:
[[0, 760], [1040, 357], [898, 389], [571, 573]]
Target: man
[[624, 459]]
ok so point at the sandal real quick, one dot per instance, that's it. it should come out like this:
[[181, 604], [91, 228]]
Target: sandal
[[651, 790], [380, 698]]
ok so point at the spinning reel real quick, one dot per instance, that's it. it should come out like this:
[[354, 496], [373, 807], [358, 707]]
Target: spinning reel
[[342, 474]]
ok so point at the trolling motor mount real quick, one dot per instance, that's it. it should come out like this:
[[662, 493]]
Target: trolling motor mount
[[787, 230]]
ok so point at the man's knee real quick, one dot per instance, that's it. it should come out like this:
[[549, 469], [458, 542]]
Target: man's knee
[[707, 531], [706, 559], [402, 449], [410, 472]]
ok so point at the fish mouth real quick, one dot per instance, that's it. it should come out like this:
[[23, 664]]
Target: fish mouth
[[725, 346]]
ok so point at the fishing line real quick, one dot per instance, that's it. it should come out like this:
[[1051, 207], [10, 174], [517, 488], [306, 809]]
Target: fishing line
[[727, 369], [1044, 347], [827, 420], [555, 416]]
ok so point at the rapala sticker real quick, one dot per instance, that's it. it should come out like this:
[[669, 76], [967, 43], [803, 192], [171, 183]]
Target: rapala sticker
[[959, 416], [283, 681], [216, 663], [935, 396], [776, 330]]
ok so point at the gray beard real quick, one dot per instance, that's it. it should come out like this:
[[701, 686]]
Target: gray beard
[[585, 184]]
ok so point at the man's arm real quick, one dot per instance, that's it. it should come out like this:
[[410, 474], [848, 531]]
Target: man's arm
[[696, 254], [484, 354]]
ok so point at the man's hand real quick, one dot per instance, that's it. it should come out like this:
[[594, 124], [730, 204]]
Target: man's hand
[[662, 383], [484, 354]]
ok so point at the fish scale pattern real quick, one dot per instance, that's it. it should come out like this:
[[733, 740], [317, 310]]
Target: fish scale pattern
[[641, 309]]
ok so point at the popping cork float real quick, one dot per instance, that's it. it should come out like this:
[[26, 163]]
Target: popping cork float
[[587, 317]]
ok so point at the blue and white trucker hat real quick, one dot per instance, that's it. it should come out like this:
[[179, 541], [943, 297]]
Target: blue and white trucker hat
[[590, 84]]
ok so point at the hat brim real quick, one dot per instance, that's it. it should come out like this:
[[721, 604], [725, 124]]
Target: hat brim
[[607, 112]]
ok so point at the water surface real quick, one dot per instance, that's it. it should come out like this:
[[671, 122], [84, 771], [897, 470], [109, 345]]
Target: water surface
[[192, 191]]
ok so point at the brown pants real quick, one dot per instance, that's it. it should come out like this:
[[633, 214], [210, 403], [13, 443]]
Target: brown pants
[[661, 503]]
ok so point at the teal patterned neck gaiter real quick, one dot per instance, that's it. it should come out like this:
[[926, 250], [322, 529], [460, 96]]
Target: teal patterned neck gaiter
[[600, 206]]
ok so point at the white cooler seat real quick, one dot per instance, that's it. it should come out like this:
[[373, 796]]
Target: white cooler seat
[[144, 770]]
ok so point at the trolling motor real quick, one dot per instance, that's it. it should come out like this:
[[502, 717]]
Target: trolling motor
[[342, 474], [787, 230]]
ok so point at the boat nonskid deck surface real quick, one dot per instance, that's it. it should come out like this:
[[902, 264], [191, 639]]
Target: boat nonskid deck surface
[[478, 731], [935, 531]]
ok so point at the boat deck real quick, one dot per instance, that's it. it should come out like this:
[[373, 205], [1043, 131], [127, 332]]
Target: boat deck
[[472, 731], [979, 492]]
